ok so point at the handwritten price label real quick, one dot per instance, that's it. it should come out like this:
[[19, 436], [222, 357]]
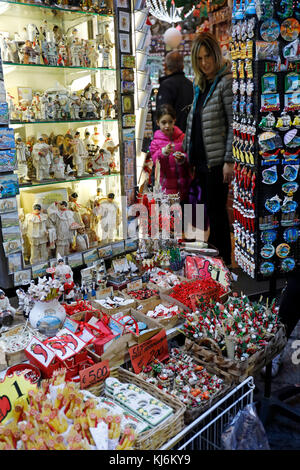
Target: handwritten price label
[[135, 285], [143, 354], [94, 374]]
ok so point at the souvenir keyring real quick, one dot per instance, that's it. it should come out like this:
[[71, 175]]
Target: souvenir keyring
[[270, 30], [289, 29]]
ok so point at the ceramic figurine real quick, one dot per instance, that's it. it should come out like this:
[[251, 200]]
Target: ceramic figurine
[[107, 212], [36, 225], [89, 109], [100, 161], [62, 220], [42, 159], [62, 269], [62, 59], [107, 105], [58, 166], [7, 312], [21, 154], [75, 52], [80, 154]]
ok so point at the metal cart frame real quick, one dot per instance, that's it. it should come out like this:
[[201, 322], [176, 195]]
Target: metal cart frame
[[205, 432]]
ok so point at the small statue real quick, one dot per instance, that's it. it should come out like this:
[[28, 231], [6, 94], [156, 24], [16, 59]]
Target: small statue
[[80, 154], [106, 106], [108, 213], [36, 225], [75, 106], [58, 166], [7, 312], [42, 159], [89, 109], [62, 269], [22, 154], [62, 220]]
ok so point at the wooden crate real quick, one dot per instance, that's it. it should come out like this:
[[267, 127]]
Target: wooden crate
[[166, 323], [111, 311], [13, 358], [237, 370], [165, 289], [144, 302], [154, 438]]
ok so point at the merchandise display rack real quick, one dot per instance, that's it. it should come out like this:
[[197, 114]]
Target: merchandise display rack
[[122, 181]]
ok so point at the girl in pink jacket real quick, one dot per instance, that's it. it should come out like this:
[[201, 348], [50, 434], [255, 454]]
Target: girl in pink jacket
[[166, 147]]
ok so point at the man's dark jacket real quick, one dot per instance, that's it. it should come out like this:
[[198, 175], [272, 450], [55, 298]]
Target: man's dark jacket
[[176, 90]]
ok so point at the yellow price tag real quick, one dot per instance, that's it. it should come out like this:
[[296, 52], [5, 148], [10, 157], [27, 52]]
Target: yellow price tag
[[13, 389]]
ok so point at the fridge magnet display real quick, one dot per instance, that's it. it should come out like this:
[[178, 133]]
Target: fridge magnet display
[[288, 205], [7, 139], [284, 121], [288, 264], [267, 268], [22, 277], [128, 104], [14, 262], [267, 50], [291, 51], [267, 122], [292, 101], [124, 21], [270, 102], [269, 83], [267, 251], [273, 204], [8, 205], [270, 30], [291, 235], [269, 176], [289, 29], [8, 186], [290, 188], [8, 160], [269, 141], [292, 83], [283, 250], [4, 114], [268, 236], [124, 43], [290, 172]]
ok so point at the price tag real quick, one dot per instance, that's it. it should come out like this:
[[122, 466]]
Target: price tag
[[155, 348], [102, 293], [94, 374], [135, 285], [13, 389]]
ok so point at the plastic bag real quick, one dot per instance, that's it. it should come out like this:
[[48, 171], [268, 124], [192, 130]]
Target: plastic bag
[[245, 432]]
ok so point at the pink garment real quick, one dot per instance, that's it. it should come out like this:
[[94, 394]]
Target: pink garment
[[174, 177]]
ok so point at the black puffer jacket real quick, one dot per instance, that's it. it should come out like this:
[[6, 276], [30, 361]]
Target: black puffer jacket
[[176, 90]]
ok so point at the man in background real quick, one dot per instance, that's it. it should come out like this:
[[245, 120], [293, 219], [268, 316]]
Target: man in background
[[175, 89]]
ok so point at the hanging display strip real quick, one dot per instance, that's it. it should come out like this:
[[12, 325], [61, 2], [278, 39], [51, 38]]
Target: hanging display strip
[[265, 51]]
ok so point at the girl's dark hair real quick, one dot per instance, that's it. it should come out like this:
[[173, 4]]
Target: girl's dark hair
[[165, 109]]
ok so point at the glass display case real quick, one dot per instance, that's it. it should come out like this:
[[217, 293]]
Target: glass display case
[[63, 104]]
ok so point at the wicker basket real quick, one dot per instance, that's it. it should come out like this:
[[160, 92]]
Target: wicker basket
[[154, 438], [209, 354]]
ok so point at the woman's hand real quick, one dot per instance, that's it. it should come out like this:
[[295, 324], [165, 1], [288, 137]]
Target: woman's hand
[[179, 157], [227, 172]]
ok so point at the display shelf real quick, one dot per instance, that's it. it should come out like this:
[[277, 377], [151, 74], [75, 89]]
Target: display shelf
[[34, 10], [50, 182], [62, 121], [25, 67]]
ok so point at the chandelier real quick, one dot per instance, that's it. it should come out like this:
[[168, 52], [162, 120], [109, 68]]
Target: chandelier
[[165, 10]]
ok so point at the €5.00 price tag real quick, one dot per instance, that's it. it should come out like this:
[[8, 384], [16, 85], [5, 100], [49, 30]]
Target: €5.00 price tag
[[94, 374]]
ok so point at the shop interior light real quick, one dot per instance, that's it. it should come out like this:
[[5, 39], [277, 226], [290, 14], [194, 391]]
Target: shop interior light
[[172, 14]]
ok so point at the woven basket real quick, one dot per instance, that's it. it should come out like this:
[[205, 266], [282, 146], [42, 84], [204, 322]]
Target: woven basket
[[154, 438], [232, 369]]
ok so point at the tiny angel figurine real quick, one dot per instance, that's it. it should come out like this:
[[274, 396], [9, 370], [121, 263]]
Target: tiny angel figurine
[[7, 312]]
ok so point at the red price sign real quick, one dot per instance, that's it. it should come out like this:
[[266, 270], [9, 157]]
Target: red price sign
[[155, 348], [94, 374]]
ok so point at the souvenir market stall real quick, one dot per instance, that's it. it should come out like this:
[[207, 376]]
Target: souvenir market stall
[[142, 347]]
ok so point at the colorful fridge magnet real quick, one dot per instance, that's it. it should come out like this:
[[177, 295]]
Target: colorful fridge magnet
[[269, 141], [291, 235], [288, 205], [292, 82], [290, 172], [269, 83], [269, 176], [284, 121], [291, 139], [283, 250], [290, 188], [267, 268], [285, 9], [270, 30], [291, 51], [268, 122], [267, 50], [289, 29], [270, 102], [296, 121], [267, 251], [292, 101], [273, 204], [268, 236], [288, 264], [264, 9]]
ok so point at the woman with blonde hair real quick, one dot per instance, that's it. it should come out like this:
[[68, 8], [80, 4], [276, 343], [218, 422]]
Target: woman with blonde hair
[[209, 134]]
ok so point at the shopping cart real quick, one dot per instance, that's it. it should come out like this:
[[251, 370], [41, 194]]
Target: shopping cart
[[205, 432]]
